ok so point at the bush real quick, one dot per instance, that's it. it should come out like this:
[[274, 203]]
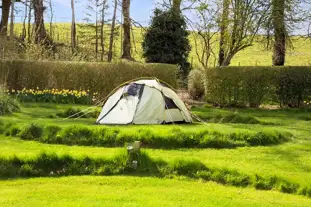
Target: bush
[[96, 77], [196, 84], [252, 86], [166, 40]]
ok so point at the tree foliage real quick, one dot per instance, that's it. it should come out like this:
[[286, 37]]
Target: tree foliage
[[166, 40]]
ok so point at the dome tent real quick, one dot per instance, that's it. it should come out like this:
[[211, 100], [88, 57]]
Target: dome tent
[[144, 101]]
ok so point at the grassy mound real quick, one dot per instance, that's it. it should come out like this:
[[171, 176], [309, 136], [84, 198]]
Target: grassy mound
[[74, 112], [54, 165], [235, 119], [176, 137], [209, 115]]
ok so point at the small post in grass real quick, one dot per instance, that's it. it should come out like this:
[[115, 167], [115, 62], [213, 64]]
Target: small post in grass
[[133, 151]]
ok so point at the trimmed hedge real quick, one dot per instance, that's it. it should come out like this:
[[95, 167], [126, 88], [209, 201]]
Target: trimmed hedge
[[252, 86], [53, 165], [96, 77], [174, 138]]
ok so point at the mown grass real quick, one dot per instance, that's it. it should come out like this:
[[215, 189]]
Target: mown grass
[[290, 161], [132, 191], [49, 129], [54, 165]]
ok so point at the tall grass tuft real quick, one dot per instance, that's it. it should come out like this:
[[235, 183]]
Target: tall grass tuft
[[7, 104]]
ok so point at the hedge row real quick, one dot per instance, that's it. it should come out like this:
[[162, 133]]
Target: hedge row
[[54, 165], [174, 138], [252, 86], [97, 77]]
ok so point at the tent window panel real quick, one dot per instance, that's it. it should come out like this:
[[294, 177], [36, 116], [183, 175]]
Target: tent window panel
[[169, 103], [133, 89]]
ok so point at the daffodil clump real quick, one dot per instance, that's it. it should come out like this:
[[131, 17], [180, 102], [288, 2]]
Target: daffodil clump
[[64, 96], [307, 103]]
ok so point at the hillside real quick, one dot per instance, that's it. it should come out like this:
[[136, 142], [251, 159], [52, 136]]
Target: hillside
[[299, 54]]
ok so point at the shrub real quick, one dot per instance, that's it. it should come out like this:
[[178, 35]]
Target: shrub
[[240, 86], [294, 86], [196, 84], [252, 86], [96, 77], [166, 40]]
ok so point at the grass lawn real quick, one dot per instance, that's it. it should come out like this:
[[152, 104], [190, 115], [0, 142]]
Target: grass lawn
[[291, 161], [135, 191]]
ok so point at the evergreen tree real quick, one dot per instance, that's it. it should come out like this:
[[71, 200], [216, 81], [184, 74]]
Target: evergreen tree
[[166, 40]]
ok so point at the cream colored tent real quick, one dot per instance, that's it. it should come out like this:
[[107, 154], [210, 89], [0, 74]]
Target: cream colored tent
[[144, 102]]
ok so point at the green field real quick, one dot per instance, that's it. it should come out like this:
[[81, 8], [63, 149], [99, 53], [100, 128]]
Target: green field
[[297, 55], [290, 161]]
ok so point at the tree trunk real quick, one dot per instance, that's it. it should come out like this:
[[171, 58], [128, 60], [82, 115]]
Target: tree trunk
[[112, 30], [5, 17], [102, 42], [29, 21], [40, 32], [223, 31], [176, 6], [73, 27], [51, 20], [126, 30], [96, 31], [23, 36], [278, 21], [12, 19]]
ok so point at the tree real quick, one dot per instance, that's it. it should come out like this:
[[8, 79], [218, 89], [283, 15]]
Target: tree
[[126, 30], [51, 17], [104, 7], [223, 31], [23, 36], [29, 31], [113, 24], [5, 16], [166, 40], [239, 26], [278, 21], [176, 6], [73, 27], [205, 33], [40, 32], [12, 19]]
